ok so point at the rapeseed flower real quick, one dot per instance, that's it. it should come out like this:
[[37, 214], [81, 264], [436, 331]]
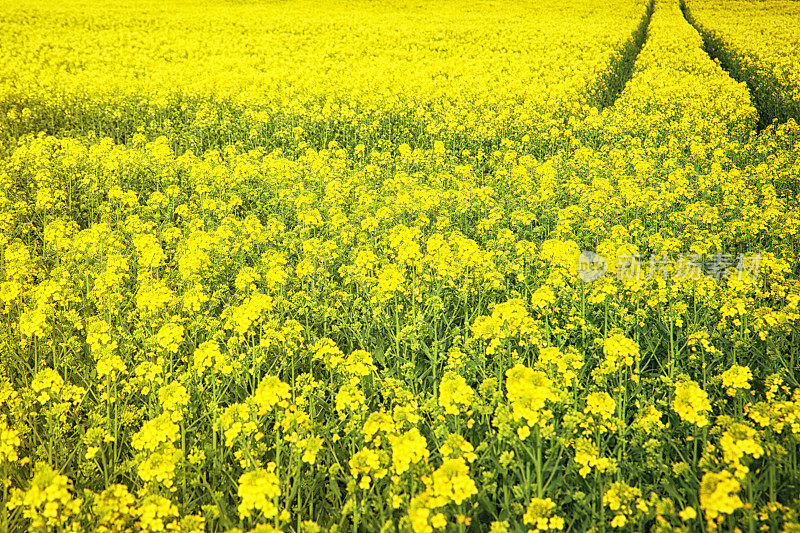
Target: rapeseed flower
[[718, 495], [454, 394], [451, 482], [271, 392], [48, 502], [528, 392], [407, 449], [540, 515], [691, 403], [736, 378], [258, 490]]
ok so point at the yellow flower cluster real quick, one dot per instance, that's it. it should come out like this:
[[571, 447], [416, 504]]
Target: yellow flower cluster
[[9, 441], [449, 484], [621, 352], [258, 490], [407, 449], [508, 320], [691, 403], [719, 495], [48, 502], [540, 515], [736, 378], [271, 392], [529, 391], [738, 441], [455, 395], [624, 501]]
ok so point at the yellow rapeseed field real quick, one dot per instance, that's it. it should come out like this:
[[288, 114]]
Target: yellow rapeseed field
[[399, 266]]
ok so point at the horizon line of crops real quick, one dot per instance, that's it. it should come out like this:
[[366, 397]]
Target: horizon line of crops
[[204, 123]]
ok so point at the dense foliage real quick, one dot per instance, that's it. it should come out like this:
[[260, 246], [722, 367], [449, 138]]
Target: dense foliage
[[329, 271]]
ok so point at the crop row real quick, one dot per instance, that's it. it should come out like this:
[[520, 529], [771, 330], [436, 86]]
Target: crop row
[[678, 94], [757, 43]]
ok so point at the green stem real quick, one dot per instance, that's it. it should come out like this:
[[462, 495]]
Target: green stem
[[539, 486]]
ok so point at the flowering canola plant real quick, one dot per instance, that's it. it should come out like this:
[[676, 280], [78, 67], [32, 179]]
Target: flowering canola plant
[[314, 267]]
